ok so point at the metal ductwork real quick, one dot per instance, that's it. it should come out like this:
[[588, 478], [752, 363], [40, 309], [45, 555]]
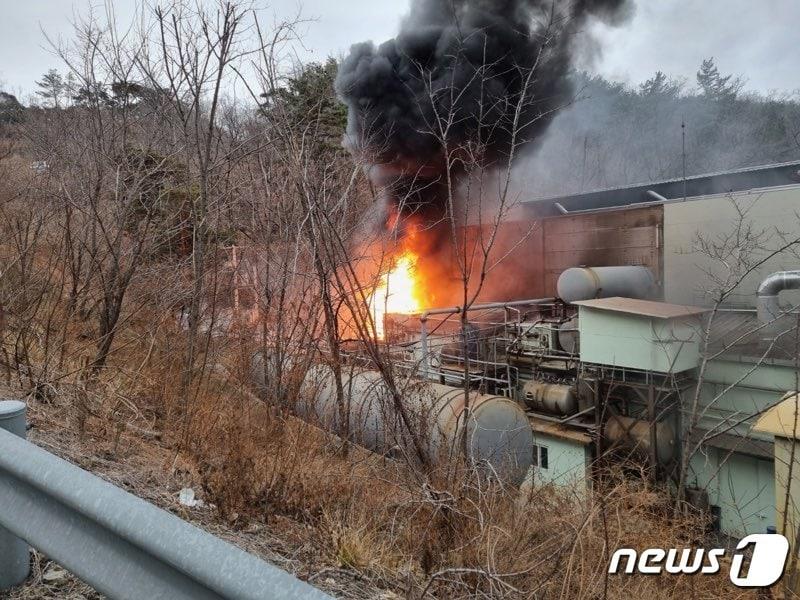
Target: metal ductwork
[[588, 283], [499, 435], [769, 307]]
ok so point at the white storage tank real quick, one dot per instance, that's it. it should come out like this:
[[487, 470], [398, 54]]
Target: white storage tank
[[587, 283]]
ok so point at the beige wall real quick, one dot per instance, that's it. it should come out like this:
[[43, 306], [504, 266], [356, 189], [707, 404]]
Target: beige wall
[[787, 487], [773, 214]]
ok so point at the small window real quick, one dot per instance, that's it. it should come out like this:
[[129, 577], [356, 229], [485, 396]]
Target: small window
[[540, 458]]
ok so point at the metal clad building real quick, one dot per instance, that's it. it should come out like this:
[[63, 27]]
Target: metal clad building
[[698, 237]]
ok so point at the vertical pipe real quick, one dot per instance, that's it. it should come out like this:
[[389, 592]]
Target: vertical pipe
[[651, 415], [14, 554], [423, 338]]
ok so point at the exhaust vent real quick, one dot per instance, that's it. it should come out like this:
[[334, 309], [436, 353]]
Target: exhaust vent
[[769, 307]]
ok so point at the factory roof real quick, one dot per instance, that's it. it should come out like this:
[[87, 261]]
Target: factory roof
[[739, 333], [782, 420], [643, 308], [762, 176]]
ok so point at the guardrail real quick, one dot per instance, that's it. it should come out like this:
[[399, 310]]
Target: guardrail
[[119, 544]]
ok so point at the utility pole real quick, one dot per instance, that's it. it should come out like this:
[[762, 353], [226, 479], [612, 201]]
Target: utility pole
[[683, 154]]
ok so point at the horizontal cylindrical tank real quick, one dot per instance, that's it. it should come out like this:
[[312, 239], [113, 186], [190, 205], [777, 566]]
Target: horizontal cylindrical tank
[[587, 283], [635, 433], [550, 398], [568, 336], [498, 432]]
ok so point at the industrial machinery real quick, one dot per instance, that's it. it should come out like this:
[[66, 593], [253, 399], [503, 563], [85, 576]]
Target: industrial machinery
[[529, 382]]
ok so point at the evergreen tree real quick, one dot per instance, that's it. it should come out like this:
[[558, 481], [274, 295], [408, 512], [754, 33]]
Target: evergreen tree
[[11, 111], [661, 85], [52, 88], [310, 98], [91, 95], [715, 86]]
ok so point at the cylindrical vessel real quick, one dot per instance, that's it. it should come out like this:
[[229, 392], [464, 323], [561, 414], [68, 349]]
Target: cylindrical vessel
[[498, 433], [569, 337], [635, 433], [550, 398], [587, 283], [14, 553]]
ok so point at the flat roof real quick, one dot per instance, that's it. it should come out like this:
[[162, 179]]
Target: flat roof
[[643, 308]]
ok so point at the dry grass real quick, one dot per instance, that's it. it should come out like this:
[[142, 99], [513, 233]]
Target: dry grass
[[356, 524]]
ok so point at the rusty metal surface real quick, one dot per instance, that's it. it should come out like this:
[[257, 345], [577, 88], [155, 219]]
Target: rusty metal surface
[[533, 253], [624, 237]]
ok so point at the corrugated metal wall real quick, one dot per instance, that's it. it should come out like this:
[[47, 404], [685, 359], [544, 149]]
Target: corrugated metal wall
[[534, 253], [620, 237]]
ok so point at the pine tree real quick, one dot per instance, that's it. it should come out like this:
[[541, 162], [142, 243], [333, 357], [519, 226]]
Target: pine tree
[[660, 85], [11, 111], [308, 98], [715, 86], [52, 88]]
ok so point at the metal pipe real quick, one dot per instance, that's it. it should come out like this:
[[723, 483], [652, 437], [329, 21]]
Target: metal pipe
[[560, 208], [657, 196], [769, 307], [457, 310], [14, 554], [423, 340], [636, 434]]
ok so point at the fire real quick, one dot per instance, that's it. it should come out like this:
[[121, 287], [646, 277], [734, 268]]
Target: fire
[[398, 292]]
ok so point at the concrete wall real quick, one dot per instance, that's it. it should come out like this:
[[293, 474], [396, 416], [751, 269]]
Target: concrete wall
[[535, 252], [773, 216]]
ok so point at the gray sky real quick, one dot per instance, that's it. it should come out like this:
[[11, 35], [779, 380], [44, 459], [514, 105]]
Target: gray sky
[[759, 40]]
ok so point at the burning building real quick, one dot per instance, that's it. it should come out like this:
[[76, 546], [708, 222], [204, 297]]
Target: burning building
[[631, 334], [649, 325]]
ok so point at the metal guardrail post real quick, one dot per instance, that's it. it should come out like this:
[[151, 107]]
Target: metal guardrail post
[[15, 565], [124, 547]]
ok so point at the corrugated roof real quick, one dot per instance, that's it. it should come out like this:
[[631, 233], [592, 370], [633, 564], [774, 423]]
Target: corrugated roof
[[740, 333], [762, 176], [644, 308], [780, 419]]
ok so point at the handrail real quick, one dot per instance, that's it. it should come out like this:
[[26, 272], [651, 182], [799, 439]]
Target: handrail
[[119, 544]]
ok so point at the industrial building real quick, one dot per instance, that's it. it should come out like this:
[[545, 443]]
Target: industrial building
[[649, 327], [714, 243], [626, 353]]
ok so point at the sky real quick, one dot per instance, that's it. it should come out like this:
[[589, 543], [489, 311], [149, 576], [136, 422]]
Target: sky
[[759, 40]]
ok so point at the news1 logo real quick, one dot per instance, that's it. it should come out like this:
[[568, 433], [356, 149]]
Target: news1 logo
[[767, 563]]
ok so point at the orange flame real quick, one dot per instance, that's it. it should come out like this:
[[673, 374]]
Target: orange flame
[[399, 292]]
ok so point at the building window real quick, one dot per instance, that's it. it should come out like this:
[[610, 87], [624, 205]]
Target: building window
[[540, 458]]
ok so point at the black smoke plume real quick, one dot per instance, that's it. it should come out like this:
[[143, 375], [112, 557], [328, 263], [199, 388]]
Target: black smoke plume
[[471, 62]]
